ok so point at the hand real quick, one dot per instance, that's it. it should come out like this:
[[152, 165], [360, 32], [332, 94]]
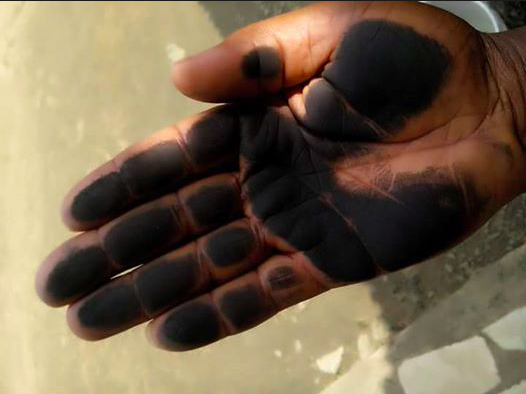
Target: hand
[[361, 138]]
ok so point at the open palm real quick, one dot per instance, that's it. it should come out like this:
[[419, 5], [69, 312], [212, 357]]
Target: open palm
[[359, 139]]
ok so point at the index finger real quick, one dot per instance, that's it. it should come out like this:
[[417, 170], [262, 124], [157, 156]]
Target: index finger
[[159, 163]]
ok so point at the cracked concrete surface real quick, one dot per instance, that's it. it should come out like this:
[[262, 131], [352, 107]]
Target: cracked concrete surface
[[490, 302]]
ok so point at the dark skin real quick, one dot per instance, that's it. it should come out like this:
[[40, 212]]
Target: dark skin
[[360, 138]]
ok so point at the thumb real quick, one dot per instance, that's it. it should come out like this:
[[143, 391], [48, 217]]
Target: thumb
[[267, 56]]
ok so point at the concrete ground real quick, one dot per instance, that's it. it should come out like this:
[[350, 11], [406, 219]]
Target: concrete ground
[[80, 81]]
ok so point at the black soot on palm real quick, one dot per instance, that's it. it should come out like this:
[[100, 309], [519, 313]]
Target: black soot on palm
[[382, 74]]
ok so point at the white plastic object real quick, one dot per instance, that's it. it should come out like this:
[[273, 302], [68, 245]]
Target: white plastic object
[[477, 13]]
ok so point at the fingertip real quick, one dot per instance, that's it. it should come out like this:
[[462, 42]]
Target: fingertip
[[66, 216], [66, 207], [215, 75], [191, 325], [41, 280], [95, 199], [154, 335], [73, 269], [76, 327], [185, 74], [151, 337], [181, 77]]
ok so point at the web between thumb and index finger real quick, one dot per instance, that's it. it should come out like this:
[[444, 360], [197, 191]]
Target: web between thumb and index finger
[[267, 56]]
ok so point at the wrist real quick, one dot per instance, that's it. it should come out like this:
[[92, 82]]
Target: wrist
[[506, 54], [506, 70]]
